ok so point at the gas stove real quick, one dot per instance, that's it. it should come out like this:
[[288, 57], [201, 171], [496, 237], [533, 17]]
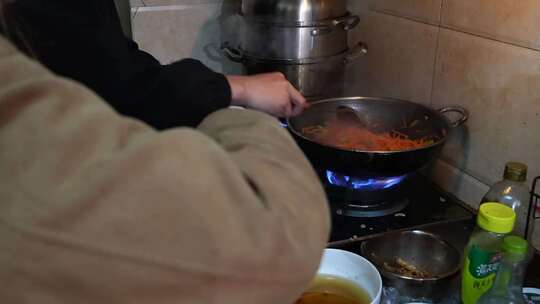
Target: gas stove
[[367, 206]]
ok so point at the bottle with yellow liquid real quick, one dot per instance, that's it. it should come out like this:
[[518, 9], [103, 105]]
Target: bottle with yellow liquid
[[484, 250], [513, 192]]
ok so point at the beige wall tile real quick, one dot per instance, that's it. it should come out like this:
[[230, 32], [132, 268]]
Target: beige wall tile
[[500, 85], [400, 60], [423, 10], [359, 6], [136, 3], [173, 32], [513, 21], [465, 187]]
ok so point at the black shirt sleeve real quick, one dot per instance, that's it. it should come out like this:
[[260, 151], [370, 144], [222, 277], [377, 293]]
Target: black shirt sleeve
[[83, 40]]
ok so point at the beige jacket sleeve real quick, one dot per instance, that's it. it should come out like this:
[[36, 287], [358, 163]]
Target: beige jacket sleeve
[[97, 208]]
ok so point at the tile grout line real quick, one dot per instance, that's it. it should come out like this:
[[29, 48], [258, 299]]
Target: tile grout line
[[436, 56], [410, 18], [487, 37], [459, 30], [434, 75]]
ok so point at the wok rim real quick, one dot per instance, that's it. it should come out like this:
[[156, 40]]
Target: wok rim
[[359, 98]]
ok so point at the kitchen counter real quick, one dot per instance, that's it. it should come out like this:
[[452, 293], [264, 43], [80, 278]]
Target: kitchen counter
[[457, 233]]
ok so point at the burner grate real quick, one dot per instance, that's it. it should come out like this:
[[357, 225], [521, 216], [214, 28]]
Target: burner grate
[[372, 210]]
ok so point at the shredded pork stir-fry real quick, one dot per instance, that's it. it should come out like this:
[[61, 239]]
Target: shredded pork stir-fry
[[351, 137]]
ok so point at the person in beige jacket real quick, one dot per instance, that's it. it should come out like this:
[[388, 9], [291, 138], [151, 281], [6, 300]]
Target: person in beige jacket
[[100, 208]]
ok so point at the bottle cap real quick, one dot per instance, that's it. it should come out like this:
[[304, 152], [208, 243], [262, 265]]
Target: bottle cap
[[496, 217], [515, 245], [516, 172]]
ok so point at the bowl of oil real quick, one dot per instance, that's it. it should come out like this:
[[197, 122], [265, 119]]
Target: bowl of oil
[[344, 278]]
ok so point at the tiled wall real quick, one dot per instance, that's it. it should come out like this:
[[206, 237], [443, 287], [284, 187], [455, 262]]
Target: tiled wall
[[173, 29], [483, 55]]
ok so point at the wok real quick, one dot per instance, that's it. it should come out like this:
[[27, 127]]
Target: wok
[[385, 115]]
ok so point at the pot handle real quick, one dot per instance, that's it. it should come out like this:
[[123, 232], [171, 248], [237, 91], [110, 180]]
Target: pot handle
[[347, 22], [464, 115], [233, 54], [357, 51], [321, 31]]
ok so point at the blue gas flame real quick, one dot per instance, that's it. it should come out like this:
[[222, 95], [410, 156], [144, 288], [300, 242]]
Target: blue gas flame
[[354, 183]]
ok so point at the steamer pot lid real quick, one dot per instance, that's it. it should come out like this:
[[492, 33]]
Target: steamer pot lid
[[294, 11]]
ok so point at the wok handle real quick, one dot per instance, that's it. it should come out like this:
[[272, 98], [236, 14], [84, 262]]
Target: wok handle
[[464, 115]]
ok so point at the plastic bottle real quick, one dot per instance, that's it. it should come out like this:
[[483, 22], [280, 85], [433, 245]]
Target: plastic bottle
[[513, 192], [508, 285], [483, 252]]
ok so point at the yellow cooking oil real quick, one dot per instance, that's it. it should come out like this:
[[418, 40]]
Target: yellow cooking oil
[[327, 289]]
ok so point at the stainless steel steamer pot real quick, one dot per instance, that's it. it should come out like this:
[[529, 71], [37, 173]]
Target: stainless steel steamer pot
[[282, 41], [313, 77], [306, 40], [294, 12]]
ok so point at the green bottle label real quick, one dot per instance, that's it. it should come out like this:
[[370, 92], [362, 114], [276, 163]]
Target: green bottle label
[[478, 273], [483, 263]]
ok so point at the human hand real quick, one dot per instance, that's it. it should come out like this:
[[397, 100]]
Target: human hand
[[270, 92]]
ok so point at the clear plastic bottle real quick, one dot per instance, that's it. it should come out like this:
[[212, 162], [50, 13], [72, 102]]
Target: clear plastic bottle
[[513, 192], [508, 285], [483, 252]]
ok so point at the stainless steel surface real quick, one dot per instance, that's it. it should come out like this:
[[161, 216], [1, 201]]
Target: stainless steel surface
[[463, 115], [455, 232], [295, 12], [301, 39], [415, 120], [385, 114], [358, 50], [239, 55], [313, 80], [270, 41], [421, 249], [348, 114]]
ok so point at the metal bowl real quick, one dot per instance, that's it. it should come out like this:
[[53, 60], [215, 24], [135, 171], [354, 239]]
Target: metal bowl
[[424, 251]]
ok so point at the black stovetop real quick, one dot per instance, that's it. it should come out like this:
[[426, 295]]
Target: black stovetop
[[427, 204]]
